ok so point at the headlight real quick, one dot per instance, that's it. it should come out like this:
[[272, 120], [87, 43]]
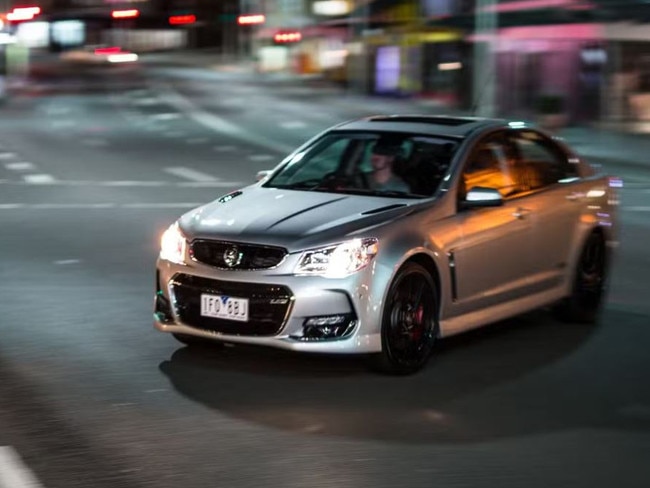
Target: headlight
[[339, 260], [173, 244]]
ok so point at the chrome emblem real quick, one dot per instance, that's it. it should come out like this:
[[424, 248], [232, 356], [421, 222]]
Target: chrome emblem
[[232, 256]]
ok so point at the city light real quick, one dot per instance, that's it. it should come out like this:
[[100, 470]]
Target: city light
[[182, 19], [125, 14], [251, 19], [23, 13], [331, 7], [284, 37]]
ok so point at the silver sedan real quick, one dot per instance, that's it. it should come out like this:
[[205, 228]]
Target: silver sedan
[[382, 235]]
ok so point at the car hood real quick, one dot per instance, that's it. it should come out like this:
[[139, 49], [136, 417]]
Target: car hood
[[290, 218]]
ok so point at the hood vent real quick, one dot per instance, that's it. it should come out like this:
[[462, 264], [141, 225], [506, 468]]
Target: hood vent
[[229, 196]]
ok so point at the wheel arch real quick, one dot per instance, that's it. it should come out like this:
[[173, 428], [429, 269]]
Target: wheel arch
[[430, 265], [607, 236]]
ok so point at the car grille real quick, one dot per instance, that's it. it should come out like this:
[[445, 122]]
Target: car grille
[[248, 256], [269, 305]]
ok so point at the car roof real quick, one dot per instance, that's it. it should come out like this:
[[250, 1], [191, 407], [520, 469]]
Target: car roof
[[439, 125]]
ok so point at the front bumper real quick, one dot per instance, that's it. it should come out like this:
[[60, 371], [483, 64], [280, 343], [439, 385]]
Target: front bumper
[[280, 305]]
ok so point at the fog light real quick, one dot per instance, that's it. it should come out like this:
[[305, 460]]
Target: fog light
[[162, 310], [326, 327]]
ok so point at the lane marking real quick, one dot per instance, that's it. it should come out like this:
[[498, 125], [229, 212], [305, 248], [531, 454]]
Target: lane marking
[[58, 110], [148, 101], [20, 166], [98, 206], [261, 157], [39, 179], [293, 124], [211, 121], [167, 116], [225, 148], [65, 262], [637, 209], [13, 472], [136, 184], [7, 155], [189, 174]]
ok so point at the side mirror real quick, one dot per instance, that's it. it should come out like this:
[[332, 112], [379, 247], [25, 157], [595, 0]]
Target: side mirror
[[480, 196], [261, 175]]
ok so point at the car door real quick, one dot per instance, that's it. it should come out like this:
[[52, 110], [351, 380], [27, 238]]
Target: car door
[[493, 259], [552, 188]]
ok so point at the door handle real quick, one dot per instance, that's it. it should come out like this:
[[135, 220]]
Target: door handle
[[521, 213]]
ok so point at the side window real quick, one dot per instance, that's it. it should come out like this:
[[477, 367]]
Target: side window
[[540, 162], [490, 166]]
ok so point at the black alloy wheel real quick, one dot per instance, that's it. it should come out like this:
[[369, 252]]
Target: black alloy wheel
[[589, 283], [409, 323]]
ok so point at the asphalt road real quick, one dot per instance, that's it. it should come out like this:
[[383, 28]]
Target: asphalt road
[[91, 395]]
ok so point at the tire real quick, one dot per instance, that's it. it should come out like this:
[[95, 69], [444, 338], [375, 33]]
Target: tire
[[409, 322], [589, 284], [193, 341]]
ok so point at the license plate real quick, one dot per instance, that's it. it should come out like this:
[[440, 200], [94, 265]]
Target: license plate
[[224, 307]]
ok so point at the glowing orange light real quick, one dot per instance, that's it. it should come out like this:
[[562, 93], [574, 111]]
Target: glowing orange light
[[125, 14], [288, 37], [251, 19], [23, 13]]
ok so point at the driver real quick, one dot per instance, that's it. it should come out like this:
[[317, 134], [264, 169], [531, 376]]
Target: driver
[[383, 158]]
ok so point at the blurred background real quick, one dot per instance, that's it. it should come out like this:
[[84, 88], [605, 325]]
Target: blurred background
[[585, 60]]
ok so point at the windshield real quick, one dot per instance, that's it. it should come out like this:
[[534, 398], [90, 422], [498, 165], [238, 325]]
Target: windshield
[[383, 164]]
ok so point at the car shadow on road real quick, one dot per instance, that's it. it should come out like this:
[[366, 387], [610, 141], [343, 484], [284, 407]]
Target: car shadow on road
[[525, 376]]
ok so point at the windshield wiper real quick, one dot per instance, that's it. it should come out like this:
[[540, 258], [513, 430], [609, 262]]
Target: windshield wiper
[[310, 184], [302, 185], [383, 193]]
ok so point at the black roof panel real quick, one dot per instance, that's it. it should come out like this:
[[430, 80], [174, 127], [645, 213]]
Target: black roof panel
[[453, 127]]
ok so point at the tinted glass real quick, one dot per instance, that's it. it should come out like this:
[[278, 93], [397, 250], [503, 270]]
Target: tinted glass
[[390, 164], [540, 162]]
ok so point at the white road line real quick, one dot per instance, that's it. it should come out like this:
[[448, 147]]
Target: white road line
[[637, 209], [7, 155], [135, 184], [13, 472], [189, 174], [65, 262], [168, 116], [225, 148], [216, 123], [97, 206], [39, 179], [261, 157], [293, 124], [20, 166], [57, 110], [148, 101]]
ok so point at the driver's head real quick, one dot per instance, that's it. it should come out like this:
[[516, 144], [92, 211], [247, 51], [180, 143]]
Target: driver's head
[[384, 154]]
